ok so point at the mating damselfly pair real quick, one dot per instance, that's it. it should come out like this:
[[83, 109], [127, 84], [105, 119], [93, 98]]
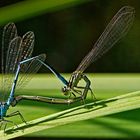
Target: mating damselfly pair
[[17, 58]]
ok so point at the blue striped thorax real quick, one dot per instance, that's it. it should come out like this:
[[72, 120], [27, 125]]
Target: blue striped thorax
[[3, 109]]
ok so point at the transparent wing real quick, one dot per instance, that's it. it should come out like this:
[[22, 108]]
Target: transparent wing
[[9, 32], [115, 30], [28, 69], [11, 65], [27, 46], [19, 49]]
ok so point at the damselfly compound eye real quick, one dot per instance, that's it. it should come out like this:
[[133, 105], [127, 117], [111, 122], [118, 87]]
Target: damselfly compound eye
[[64, 89]]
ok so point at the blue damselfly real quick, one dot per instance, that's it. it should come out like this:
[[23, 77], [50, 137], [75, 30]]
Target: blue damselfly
[[16, 58]]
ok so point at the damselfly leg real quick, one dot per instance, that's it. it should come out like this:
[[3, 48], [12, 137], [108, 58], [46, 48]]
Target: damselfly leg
[[75, 89], [4, 121], [15, 114]]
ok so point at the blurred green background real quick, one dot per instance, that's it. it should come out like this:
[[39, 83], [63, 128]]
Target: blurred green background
[[67, 32]]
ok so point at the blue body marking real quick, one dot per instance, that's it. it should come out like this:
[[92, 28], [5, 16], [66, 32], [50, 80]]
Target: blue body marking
[[63, 80]]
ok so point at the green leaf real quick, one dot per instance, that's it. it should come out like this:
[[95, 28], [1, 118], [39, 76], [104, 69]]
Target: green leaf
[[92, 110], [31, 8]]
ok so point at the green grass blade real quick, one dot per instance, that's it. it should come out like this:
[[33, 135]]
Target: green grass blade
[[31, 8], [101, 108]]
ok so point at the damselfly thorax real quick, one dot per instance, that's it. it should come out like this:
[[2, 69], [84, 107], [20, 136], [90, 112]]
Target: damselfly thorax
[[73, 87], [3, 109]]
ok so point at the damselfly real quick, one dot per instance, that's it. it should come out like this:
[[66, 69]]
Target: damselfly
[[15, 58], [115, 30]]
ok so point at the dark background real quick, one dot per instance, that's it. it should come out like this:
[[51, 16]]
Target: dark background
[[67, 35]]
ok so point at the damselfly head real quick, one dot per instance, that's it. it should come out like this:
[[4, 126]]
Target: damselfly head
[[65, 90]]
